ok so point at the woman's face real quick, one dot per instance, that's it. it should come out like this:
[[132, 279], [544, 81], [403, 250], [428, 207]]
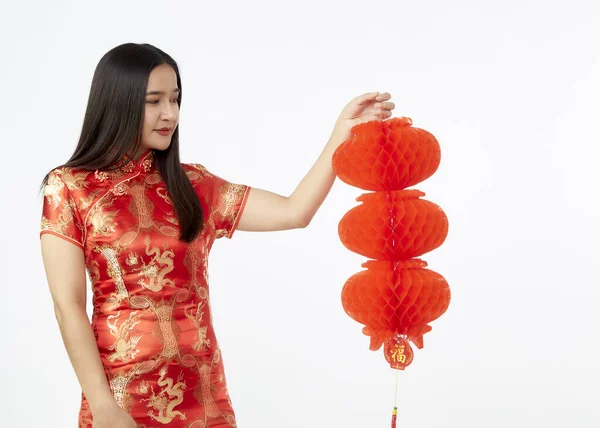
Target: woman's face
[[162, 110]]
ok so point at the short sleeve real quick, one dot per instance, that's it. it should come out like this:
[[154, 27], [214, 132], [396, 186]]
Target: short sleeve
[[60, 216], [227, 204]]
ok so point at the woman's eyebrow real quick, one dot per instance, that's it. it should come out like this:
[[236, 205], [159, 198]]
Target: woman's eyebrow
[[161, 92]]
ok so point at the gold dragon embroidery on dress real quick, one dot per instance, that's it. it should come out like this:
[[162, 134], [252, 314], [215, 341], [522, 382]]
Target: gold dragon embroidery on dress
[[156, 270], [170, 396]]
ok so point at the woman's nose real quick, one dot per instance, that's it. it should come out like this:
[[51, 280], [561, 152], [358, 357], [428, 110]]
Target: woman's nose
[[170, 112]]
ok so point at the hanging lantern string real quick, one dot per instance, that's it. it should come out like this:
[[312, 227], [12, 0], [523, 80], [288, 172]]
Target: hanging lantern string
[[395, 411], [396, 392]]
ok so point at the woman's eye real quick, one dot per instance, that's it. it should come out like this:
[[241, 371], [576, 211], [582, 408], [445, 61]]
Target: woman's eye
[[156, 102]]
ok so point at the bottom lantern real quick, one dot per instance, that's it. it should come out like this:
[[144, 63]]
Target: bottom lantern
[[395, 301]]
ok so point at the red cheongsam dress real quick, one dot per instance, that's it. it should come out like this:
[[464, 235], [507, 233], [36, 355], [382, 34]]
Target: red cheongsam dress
[[152, 316]]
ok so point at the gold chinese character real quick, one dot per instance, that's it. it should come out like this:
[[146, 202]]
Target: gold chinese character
[[398, 355]]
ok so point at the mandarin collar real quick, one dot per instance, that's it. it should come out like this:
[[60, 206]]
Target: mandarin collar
[[145, 163]]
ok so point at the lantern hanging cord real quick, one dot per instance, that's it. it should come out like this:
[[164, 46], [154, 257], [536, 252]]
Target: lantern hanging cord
[[396, 392], [395, 412]]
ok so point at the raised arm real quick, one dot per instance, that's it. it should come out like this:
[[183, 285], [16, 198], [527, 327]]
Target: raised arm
[[267, 211]]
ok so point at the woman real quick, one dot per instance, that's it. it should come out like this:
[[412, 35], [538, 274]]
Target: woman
[[142, 224]]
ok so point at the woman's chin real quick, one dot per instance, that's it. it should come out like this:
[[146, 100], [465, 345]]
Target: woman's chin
[[160, 145]]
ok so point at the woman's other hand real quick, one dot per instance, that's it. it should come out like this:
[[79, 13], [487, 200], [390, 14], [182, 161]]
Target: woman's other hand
[[113, 417]]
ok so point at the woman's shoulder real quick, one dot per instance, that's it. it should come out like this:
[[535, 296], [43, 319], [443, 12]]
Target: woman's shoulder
[[73, 178], [84, 186], [194, 166], [62, 170], [70, 172], [196, 170]]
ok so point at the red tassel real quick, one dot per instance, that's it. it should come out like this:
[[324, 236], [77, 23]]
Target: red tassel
[[394, 415]]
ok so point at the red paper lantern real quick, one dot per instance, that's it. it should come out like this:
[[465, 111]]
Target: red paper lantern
[[396, 297]]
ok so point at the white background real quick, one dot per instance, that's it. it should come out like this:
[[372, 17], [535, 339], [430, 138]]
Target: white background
[[510, 89]]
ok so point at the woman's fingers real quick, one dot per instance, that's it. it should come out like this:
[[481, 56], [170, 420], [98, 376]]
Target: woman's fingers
[[385, 105], [364, 98], [377, 98], [383, 96]]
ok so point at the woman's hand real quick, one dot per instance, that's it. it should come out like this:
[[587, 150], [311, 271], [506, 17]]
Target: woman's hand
[[364, 108], [113, 417]]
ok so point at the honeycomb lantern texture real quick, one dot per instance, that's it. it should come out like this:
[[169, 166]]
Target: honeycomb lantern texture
[[393, 225], [396, 296], [389, 155]]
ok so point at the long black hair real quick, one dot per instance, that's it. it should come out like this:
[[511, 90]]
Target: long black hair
[[113, 123]]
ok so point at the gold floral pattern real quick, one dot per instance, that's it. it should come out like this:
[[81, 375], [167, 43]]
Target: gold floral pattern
[[152, 317]]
